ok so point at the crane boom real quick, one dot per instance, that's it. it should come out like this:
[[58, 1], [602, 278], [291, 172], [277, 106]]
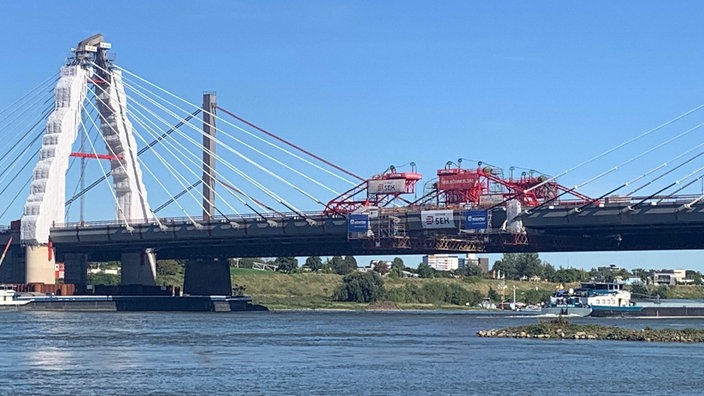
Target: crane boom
[[4, 252]]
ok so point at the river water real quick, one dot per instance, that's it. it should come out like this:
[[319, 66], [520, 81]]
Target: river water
[[329, 353]]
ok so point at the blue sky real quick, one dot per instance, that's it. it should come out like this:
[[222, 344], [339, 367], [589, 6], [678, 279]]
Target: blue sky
[[537, 85]]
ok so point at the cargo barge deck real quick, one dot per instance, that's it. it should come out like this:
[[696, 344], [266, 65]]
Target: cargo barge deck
[[11, 300]]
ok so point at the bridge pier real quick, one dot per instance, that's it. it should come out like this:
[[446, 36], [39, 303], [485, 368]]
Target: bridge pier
[[138, 268], [76, 269], [13, 268], [39, 264], [207, 277]]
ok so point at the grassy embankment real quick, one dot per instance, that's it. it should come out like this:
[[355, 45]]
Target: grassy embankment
[[687, 291], [314, 290], [277, 290]]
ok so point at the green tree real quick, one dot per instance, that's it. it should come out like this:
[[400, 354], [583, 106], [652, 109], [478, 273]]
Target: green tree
[[350, 263], [361, 287], [168, 267], [338, 265], [607, 274], [397, 267], [663, 291], [569, 275], [639, 290], [696, 276], [425, 271], [528, 265], [102, 278], [493, 294], [343, 266], [536, 296], [314, 263], [470, 270], [548, 271], [435, 292], [519, 265], [458, 295], [506, 266], [286, 264]]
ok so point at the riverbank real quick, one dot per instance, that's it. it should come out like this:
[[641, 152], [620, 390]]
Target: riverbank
[[312, 290], [296, 304], [561, 329]]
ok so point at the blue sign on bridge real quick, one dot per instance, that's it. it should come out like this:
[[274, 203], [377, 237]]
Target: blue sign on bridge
[[358, 222], [477, 219]]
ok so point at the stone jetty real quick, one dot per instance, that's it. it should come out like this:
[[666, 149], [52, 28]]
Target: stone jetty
[[561, 329]]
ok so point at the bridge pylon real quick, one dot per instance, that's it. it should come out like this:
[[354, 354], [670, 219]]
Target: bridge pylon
[[45, 205]]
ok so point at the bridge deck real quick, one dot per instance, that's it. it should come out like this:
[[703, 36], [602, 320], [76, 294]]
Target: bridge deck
[[612, 227]]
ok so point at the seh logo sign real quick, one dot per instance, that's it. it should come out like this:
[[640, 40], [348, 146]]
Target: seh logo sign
[[437, 218]]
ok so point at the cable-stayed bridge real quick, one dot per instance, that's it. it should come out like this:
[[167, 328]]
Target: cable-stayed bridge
[[105, 165]]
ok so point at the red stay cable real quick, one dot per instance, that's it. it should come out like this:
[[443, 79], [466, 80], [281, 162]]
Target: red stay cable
[[290, 144]]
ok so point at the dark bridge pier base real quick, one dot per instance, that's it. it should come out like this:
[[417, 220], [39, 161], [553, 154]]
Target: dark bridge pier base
[[207, 277], [139, 268], [76, 269]]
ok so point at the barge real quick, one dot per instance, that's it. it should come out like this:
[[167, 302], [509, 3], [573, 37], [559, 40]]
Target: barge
[[610, 299], [12, 300], [661, 308]]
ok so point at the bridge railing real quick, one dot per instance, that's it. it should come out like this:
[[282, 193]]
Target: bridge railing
[[316, 215], [190, 220]]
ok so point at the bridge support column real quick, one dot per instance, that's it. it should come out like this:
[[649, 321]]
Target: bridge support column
[[76, 269], [139, 268], [13, 268], [40, 265], [207, 277], [209, 104]]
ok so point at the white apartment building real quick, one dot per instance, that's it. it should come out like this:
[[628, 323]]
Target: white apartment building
[[441, 262]]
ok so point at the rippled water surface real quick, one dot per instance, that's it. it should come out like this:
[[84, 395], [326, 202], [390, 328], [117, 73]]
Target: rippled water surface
[[328, 353]]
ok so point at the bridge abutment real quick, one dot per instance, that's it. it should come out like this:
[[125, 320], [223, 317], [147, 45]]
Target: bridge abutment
[[138, 268], [39, 264], [207, 277]]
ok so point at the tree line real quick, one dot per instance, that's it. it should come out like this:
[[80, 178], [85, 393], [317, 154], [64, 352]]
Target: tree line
[[522, 266], [364, 287]]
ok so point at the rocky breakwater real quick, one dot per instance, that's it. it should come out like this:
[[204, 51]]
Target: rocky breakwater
[[561, 329]]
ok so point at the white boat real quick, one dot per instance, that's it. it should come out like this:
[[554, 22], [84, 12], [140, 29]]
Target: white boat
[[566, 303], [8, 298], [605, 296], [591, 299]]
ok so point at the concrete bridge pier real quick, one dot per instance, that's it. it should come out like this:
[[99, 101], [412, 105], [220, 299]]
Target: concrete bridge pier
[[39, 264], [76, 269], [209, 277], [139, 268]]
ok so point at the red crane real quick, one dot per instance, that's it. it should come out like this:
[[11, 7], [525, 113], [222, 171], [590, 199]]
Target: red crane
[[378, 191], [485, 187]]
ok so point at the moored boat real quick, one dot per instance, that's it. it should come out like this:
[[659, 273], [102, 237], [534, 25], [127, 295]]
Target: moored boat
[[566, 303], [8, 298], [610, 299]]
